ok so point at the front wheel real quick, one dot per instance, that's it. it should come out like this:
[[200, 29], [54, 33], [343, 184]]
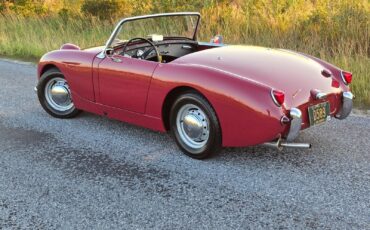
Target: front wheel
[[55, 95], [195, 126]]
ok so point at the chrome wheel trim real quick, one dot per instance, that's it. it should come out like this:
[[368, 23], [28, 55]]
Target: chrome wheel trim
[[192, 125], [58, 94]]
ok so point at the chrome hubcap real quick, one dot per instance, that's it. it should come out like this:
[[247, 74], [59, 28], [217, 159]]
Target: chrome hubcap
[[193, 126], [58, 95]]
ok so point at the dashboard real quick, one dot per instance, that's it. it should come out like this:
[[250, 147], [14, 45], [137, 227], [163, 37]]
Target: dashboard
[[169, 50]]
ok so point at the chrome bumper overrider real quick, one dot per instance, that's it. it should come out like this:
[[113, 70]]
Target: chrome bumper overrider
[[347, 103], [295, 127], [295, 124]]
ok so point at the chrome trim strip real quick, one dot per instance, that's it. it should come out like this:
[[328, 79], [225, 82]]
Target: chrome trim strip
[[348, 95], [118, 27], [101, 55], [284, 120], [320, 96], [274, 99], [295, 124], [342, 76], [347, 104]]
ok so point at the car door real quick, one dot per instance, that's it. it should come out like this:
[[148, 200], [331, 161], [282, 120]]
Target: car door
[[124, 82]]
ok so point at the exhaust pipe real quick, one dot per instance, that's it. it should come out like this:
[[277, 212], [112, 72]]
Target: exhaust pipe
[[280, 145], [296, 145]]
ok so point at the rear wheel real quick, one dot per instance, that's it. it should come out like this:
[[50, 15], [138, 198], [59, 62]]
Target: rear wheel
[[55, 96], [195, 126]]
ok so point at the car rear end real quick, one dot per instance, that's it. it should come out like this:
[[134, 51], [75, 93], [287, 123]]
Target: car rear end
[[320, 106], [302, 91]]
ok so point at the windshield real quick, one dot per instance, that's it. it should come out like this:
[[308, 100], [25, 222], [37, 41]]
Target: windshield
[[157, 27]]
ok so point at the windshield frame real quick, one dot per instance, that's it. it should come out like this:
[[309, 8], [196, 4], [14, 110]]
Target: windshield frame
[[125, 20]]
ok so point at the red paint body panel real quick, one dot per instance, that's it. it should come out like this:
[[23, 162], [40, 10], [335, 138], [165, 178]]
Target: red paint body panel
[[244, 108], [143, 120], [289, 72], [236, 80], [76, 65], [125, 85]]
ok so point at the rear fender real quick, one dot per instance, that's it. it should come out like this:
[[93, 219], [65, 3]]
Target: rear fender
[[245, 109], [336, 72]]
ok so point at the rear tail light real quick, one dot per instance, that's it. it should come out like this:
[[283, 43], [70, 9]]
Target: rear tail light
[[346, 77], [278, 97]]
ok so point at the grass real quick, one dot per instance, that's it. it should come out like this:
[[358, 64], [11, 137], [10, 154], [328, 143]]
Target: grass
[[336, 31], [30, 38]]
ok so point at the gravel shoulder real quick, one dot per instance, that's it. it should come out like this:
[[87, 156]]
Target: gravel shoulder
[[94, 173]]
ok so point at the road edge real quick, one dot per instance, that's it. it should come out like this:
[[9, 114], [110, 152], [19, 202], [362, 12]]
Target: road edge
[[15, 61]]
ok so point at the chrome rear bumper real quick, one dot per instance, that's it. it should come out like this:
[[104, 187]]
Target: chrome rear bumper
[[296, 124], [296, 115], [347, 104]]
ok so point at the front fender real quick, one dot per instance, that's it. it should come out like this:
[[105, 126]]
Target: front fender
[[76, 67]]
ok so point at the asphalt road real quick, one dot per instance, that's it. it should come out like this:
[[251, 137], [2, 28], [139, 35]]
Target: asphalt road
[[94, 173]]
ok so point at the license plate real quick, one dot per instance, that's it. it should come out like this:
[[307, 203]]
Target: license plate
[[319, 113]]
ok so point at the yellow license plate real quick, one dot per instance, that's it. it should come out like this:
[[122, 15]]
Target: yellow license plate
[[319, 113]]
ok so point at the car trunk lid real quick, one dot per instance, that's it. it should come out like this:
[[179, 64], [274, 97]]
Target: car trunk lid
[[294, 74]]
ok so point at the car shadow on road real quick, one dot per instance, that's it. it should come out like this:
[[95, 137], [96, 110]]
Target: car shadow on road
[[162, 145]]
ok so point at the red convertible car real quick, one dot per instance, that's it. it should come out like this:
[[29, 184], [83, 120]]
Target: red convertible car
[[154, 73]]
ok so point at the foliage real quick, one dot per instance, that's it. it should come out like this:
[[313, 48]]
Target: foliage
[[337, 31], [106, 9]]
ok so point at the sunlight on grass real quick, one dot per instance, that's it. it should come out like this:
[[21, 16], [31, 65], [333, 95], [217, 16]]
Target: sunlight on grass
[[336, 31]]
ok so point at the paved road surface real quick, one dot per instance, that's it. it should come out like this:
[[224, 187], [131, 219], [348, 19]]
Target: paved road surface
[[92, 172]]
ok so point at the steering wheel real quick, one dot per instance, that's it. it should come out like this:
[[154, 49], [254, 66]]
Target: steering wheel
[[146, 40]]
